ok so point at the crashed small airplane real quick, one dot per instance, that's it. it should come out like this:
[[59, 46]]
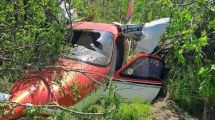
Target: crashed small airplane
[[97, 53]]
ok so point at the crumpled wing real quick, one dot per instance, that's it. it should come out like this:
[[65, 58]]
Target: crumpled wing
[[151, 34]]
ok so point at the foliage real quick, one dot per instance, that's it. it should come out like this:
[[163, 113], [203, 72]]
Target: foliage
[[111, 104], [183, 88], [207, 90], [134, 111], [189, 39], [113, 107], [31, 36], [101, 10], [114, 11], [192, 32]]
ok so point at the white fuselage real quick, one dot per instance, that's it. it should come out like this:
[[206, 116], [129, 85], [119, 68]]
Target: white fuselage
[[132, 91]]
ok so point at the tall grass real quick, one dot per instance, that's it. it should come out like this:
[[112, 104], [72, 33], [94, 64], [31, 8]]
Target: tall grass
[[183, 85]]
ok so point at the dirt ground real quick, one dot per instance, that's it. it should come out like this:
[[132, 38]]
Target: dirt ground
[[162, 112]]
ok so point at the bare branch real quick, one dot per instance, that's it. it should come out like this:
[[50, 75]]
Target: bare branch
[[54, 106]]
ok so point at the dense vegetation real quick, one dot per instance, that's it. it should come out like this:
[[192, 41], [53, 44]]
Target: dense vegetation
[[32, 35]]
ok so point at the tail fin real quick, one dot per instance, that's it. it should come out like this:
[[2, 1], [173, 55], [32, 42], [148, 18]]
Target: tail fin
[[130, 11]]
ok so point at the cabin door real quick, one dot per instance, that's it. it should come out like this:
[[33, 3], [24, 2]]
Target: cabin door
[[141, 77]]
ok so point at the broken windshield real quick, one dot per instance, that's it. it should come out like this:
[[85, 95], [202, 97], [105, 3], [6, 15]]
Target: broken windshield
[[92, 46]]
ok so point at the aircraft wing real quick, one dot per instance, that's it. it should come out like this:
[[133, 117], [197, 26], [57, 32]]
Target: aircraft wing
[[147, 35]]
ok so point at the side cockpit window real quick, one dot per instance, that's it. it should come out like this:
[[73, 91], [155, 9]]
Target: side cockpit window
[[146, 68]]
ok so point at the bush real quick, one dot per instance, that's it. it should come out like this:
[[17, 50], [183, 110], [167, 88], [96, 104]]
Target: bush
[[31, 36], [183, 85]]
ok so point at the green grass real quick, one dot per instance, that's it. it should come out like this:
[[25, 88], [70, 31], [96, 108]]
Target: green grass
[[183, 84], [134, 111]]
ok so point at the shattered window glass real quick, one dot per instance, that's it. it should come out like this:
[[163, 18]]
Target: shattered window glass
[[92, 46]]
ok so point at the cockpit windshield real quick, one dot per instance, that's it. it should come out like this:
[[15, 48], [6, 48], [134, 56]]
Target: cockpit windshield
[[92, 46]]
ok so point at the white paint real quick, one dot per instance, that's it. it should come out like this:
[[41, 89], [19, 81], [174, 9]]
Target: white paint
[[90, 99], [4, 96], [132, 91], [151, 34], [147, 35], [67, 12]]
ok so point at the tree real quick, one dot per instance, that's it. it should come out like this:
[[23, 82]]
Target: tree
[[32, 35]]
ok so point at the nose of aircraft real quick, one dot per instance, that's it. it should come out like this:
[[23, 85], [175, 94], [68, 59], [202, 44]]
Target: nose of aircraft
[[61, 85]]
